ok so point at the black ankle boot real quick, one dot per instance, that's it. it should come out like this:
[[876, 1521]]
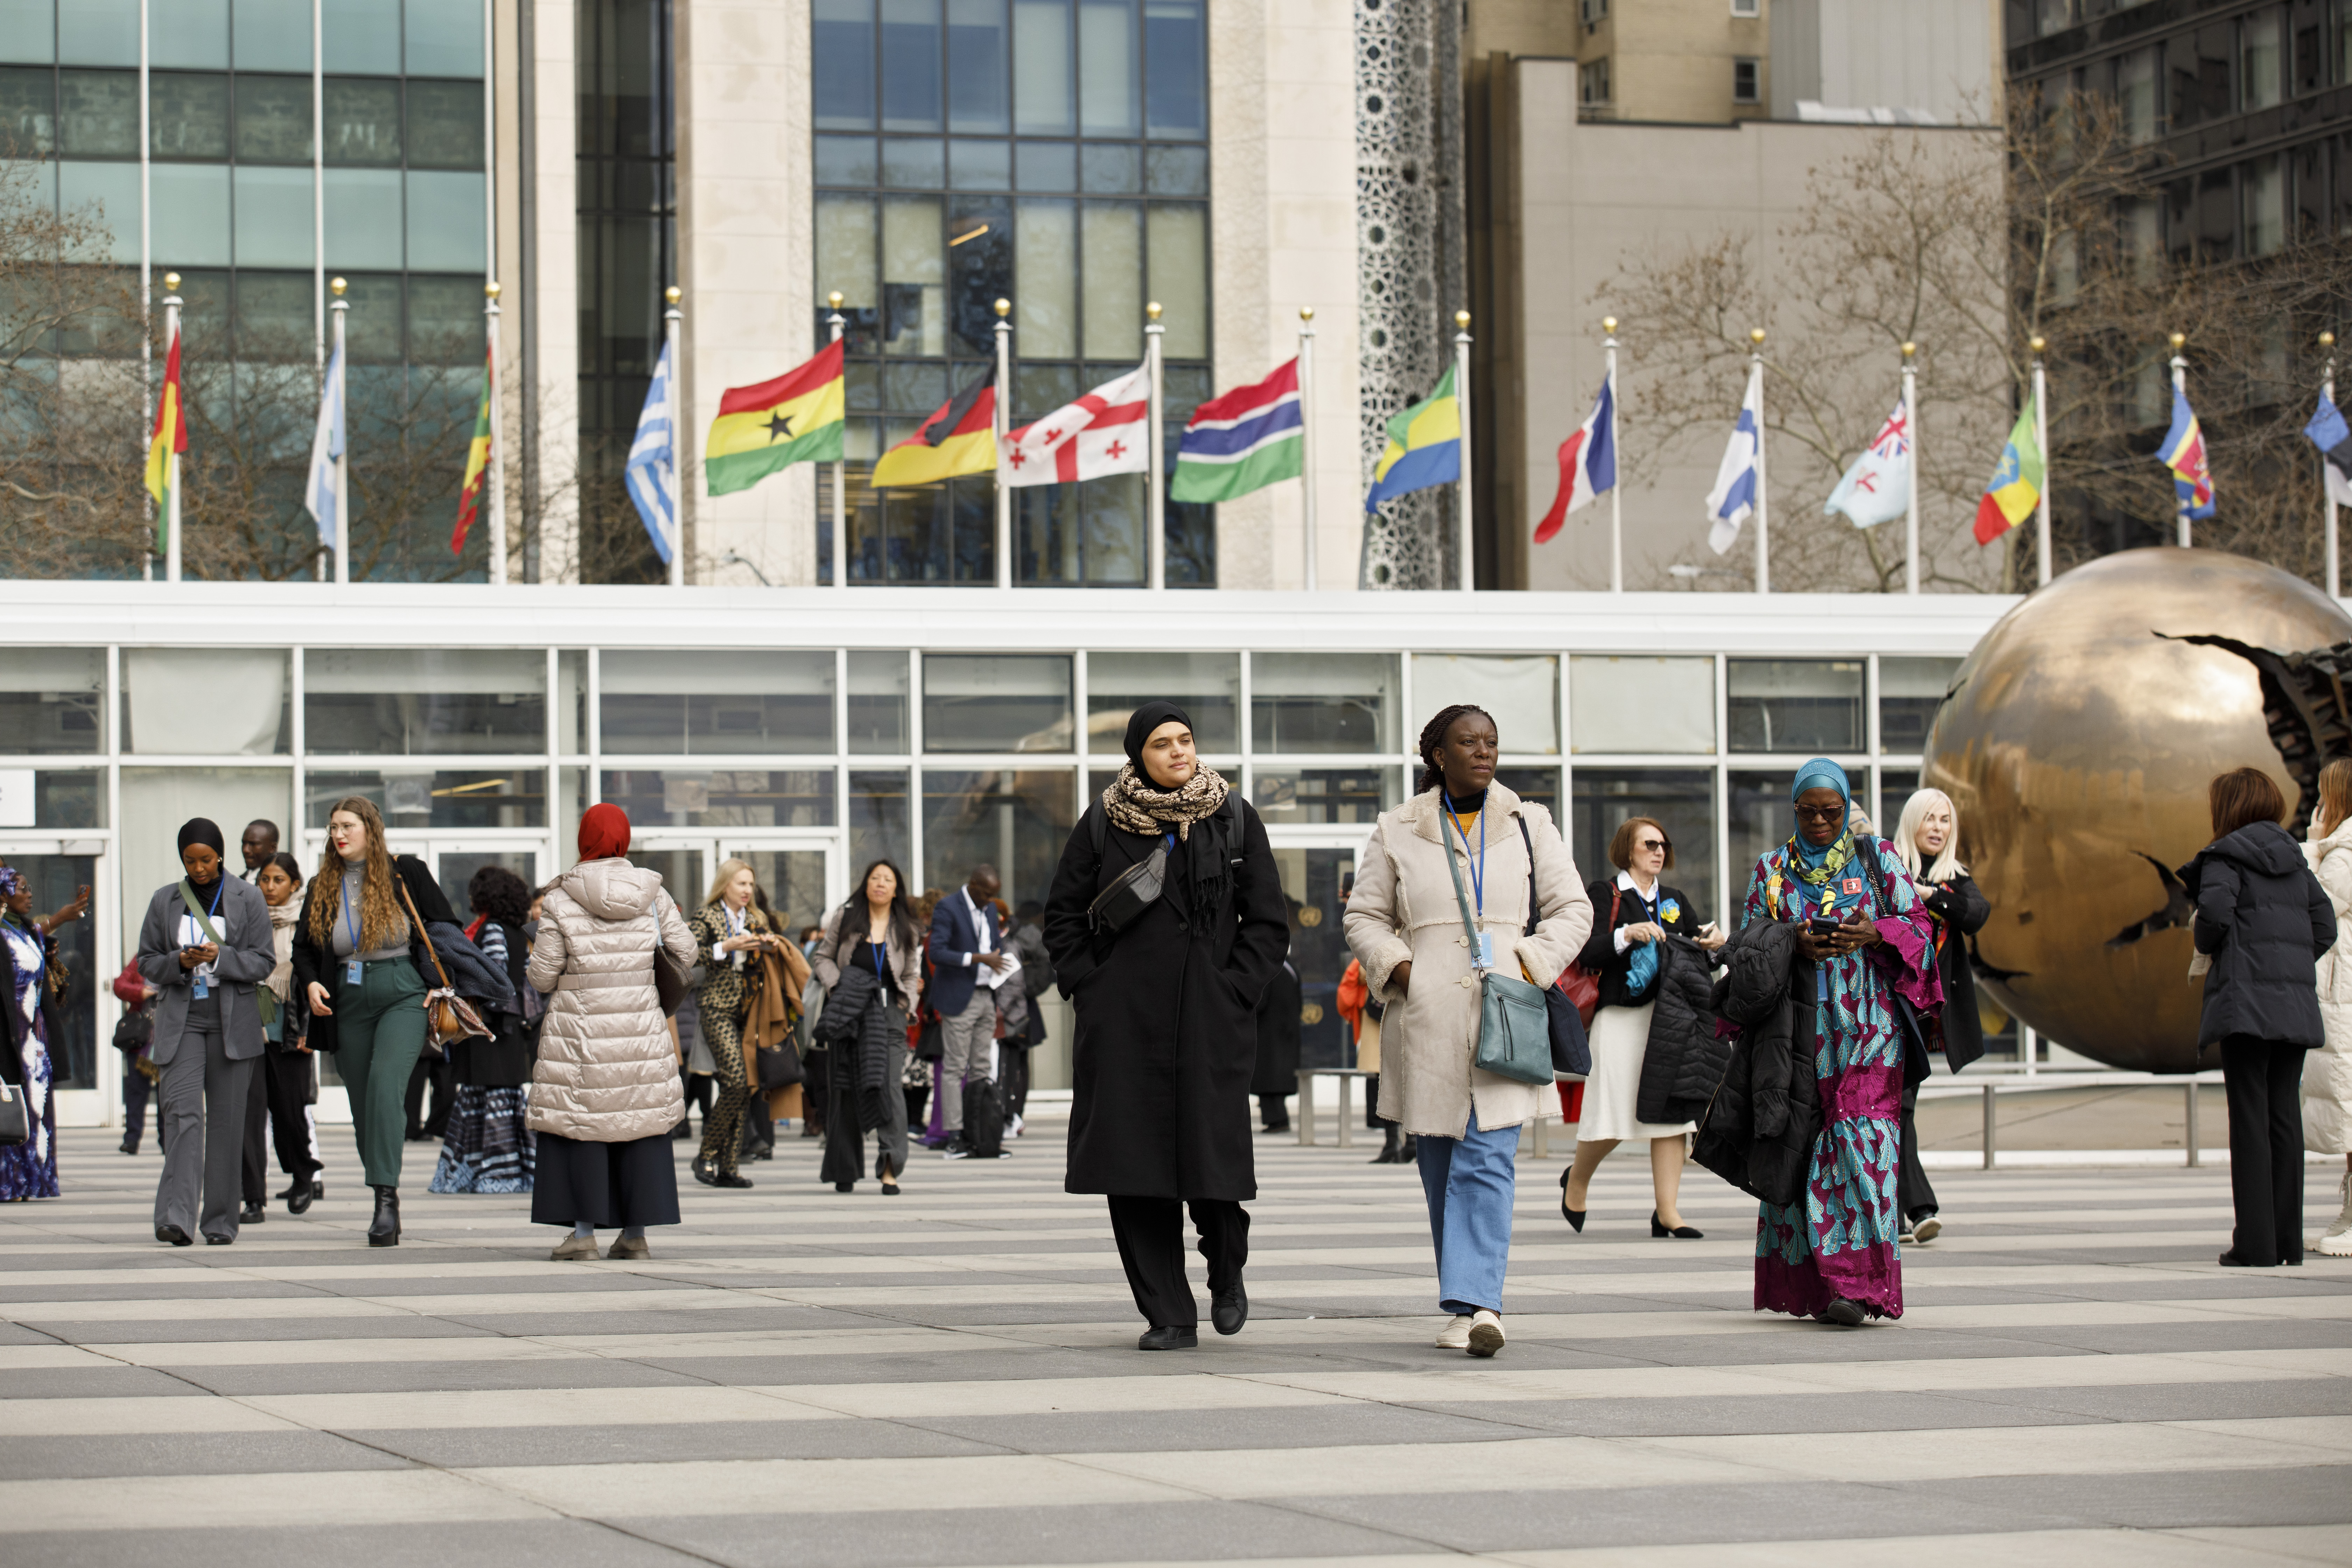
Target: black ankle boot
[[1388, 1154], [384, 1229]]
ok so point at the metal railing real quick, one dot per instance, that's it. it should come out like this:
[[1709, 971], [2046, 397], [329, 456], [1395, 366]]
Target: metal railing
[[1991, 1084]]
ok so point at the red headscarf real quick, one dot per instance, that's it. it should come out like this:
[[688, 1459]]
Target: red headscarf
[[604, 832]]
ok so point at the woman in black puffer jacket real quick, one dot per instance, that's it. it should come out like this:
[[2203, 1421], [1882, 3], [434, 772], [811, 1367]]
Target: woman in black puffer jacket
[[2264, 921]]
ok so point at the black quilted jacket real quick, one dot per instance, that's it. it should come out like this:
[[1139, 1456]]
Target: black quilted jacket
[[1685, 1058], [1758, 1132]]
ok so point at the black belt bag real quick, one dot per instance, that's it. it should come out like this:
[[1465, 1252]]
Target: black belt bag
[[1136, 889]]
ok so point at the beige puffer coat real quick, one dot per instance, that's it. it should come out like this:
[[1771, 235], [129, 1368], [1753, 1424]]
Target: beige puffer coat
[[2327, 1071], [607, 1072], [1403, 906]]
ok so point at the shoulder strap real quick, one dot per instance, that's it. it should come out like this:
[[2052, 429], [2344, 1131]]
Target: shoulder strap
[[1867, 848], [1445, 848], [1099, 826], [1534, 909], [196, 908], [416, 925]]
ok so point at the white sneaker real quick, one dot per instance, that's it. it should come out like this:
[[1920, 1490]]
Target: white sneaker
[[2337, 1240], [1485, 1332], [1016, 1128], [1455, 1335], [1926, 1230]]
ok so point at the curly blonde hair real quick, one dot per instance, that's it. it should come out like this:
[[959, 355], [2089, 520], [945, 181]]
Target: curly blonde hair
[[380, 912]]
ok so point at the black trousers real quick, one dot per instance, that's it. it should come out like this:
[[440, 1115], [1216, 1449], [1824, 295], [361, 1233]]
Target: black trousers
[[758, 1124], [2263, 1079], [436, 1071], [136, 1092], [1013, 1075], [1915, 1198], [1273, 1115], [1151, 1236]]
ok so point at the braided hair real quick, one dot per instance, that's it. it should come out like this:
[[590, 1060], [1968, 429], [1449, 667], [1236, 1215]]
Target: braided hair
[[1432, 736]]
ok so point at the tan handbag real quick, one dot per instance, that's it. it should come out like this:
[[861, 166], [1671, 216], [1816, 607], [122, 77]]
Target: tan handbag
[[449, 1017]]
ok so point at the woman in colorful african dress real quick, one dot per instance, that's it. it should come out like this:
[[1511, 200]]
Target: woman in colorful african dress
[[1833, 1258], [30, 1170]]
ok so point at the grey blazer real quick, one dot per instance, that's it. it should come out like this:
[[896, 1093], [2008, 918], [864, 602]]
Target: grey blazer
[[247, 954]]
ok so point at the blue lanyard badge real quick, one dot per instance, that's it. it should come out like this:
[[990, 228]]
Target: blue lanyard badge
[[1486, 955], [354, 970], [201, 980]]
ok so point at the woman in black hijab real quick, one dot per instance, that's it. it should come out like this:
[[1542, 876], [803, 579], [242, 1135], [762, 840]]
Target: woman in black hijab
[[205, 945], [1165, 974]]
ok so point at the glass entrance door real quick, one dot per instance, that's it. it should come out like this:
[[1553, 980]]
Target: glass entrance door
[[1314, 878], [56, 868]]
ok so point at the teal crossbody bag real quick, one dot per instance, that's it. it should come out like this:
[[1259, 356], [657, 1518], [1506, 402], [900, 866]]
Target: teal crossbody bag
[[1514, 1022]]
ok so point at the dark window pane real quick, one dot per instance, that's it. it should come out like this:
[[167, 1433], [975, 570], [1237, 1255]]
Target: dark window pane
[[276, 316], [362, 122], [1111, 171], [974, 818], [52, 700], [515, 798], [625, 79], [28, 111], [980, 271], [362, 36], [1801, 706], [910, 65], [273, 119], [445, 121], [980, 166], [877, 709], [371, 325], [1108, 68], [877, 816], [915, 389], [909, 165], [1039, 389], [1175, 97], [845, 161], [977, 96], [1048, 166], [1682, 800], [844, 49], [445, 320], [188, 116], [2310, 190], [1176, 170], [100, 114]]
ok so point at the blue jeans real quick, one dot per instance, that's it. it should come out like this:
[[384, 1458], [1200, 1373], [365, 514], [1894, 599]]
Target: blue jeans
[[1469, 1182]]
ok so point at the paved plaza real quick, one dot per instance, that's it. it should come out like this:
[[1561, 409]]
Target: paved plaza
[[805, 1379]]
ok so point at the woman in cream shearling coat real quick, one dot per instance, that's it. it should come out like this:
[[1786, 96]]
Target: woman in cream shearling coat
[[1404, 926]]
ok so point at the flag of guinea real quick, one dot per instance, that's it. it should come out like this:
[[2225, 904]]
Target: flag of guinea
[[795, 418]]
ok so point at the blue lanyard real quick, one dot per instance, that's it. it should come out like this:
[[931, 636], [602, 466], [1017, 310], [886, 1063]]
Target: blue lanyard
[[1478, 866], [351, 919], [875, 949]]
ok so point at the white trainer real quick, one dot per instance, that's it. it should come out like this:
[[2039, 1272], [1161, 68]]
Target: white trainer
[[1455, 1335], [2337, 1240], [1485, 1332], [1926, 1230]]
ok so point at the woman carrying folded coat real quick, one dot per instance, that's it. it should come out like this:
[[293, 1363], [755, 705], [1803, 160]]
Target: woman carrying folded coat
[[488, 1146], [871, 962]]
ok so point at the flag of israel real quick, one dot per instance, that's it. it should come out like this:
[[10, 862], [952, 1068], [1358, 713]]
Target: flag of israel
[[653, 458]]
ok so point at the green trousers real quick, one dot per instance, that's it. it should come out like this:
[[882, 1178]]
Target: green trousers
[[379, 1034]]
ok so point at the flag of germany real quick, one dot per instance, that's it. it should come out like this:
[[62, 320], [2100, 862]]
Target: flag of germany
[[762, 429], [960, 438]]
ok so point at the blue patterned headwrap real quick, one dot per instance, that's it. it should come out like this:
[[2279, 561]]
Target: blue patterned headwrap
[[1821, 773], [11, 881]]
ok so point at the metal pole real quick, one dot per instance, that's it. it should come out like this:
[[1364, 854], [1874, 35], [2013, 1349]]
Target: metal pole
[[341, 308], [1462, 411], [171, 446], [497, 452], [1155, 500], [1616, 511], [319, 183], [670, 319], [1003, 424], [1911, 469], [1763, 543], [2181, 386], [2042, 439], [1307, 438], [146, 297], [837, 323], [2327, 491]]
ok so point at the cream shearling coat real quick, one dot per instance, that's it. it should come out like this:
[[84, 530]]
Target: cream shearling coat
[[608, 1070], [2327, 1071], [1403, 908]]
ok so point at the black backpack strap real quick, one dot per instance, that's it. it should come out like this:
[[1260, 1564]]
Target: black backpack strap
[[1535, 910], [1098, 821]]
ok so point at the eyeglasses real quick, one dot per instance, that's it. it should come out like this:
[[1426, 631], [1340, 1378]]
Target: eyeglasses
[[1822, 813], [1653, 843]]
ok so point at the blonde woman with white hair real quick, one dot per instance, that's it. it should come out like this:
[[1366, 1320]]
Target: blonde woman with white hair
[[2327, 1071], [1928, 841]]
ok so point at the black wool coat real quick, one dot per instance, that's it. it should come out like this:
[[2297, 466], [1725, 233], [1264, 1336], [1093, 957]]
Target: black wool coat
[[2265, 921], [316, 961], [1686, 1057], [1276, 1071], [1167, 1016], [1960, 910]]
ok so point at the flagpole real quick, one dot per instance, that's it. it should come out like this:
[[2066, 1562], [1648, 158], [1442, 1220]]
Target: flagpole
[[341, 308], [498, 451], [1003, 407], [1763, 546], [836, 324], [171, 436], [670, 319], [2327, 491], [1911, 469], [2181, 503], [1155, 508], [1616, 513], [1462, 412], [1307, 437], [2041, 440]]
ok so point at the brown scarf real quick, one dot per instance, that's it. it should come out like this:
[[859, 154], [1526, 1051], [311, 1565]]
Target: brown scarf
[[1134, 805]]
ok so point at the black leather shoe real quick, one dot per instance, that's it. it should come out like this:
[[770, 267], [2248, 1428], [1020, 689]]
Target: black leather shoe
[[1845, 1314], [731, 1181], [383, 1230], [2231, 1260], [1229, 1309], [128, 1147], [252, 1214], [175, 1235], [297, 1196], [1170, 1338], [220, 1240], [704, 1173], [1658, 1227], [1575, 1218]]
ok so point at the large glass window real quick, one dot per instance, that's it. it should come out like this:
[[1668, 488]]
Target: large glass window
[[505, 798], [996, 702], [1793, 705], [742, 702], [1909, 692], [52, 700], [724, 797], [401, 702], [1521, 692], [1323, 702], [1207, 686], [1681, 799], [1016, 821], [1303, 795], [1637, 703], [877, 702], [879, 823], [192, 702]]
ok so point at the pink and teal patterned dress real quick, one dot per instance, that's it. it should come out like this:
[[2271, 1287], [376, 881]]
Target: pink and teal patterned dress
[[30, 1170], [1841, 1240]]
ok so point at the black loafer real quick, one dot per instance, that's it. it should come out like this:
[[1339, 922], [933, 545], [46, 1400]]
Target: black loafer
[[220, 1240], [731, 1181], [1170, 1337], [175, 1235], [1845, 1314], [253, 1214], [1229, 1309], [704, 1173], [298, 1198]]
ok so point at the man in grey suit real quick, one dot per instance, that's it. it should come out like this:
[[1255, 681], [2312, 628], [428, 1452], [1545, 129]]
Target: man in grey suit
[[208, 1036]]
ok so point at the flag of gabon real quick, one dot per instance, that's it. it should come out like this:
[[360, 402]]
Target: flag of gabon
[[960, 439], [795, 418]]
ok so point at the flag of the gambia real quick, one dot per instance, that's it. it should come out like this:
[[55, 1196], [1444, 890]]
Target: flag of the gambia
[[1243, 441], [795, 418], [959, 438]]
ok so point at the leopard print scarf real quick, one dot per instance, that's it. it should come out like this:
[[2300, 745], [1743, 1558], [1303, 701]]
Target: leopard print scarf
[[1134, 805]]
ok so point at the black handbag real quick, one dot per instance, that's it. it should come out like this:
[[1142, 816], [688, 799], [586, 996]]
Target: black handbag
[[1572, 1047], [1916, 1061], [780, 1068], [673, 981]]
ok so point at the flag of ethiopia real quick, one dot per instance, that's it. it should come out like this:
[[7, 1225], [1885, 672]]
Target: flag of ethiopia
[[795, 418]]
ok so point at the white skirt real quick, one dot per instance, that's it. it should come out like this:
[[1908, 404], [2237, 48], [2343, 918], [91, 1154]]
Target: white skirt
[[1621, 1037]]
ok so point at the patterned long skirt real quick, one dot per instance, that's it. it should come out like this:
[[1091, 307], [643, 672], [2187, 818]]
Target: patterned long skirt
[[30, 1170], [489, 1147], [1841, 1240]]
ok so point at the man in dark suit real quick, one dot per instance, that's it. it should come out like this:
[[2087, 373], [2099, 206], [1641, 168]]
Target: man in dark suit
[[965, 942]]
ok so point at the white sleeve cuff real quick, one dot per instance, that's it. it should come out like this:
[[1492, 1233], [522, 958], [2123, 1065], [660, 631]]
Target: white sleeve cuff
[[1617, 936], [967, 961]]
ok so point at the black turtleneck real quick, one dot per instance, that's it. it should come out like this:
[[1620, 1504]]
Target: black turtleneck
[[1462, 805]]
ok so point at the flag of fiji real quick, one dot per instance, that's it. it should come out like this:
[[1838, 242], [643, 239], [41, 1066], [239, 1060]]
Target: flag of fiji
[[1243, 441]]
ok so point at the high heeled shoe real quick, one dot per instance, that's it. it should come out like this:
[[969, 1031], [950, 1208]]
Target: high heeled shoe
[[383, 1230], [1680, 1232], [1575, 1218]]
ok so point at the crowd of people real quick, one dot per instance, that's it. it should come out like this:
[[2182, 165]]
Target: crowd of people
[[573, 1028]]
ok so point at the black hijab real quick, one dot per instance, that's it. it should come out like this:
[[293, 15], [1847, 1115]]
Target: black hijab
[[1140, 725], [203, 830]]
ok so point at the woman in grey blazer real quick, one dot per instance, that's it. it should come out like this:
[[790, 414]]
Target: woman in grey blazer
[[208, 1032]]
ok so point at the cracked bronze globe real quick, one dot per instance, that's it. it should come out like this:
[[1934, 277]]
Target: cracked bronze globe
[[2077, 741]]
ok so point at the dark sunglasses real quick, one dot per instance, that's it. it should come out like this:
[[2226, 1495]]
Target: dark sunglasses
[[1655, 843], [1822, 813]]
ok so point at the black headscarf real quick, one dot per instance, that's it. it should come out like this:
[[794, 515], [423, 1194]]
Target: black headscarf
[[1145, 719], [203, 830]]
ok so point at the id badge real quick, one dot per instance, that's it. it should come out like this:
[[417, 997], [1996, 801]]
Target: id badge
[[352, 970], [204, 988], [1485, 959]]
